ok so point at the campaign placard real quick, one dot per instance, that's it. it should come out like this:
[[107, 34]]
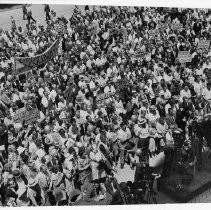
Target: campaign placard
[[184, 57], [204, 44], [29, 116], [176, 26]]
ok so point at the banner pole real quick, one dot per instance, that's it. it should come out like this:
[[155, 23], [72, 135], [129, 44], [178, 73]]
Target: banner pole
[[14, 66]]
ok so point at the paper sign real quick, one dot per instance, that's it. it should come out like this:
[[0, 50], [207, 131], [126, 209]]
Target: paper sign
[[184, 56], [29, 116], [176, 27], [103, 96], [204, 44], [153, 32]]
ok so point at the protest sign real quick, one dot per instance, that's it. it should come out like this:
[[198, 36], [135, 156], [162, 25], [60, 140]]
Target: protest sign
[[162, 26], [176, 26], [168, 43], [204, 44], [26, 63], [28, 115], [158, 41], [153, 32], [139, 54], [60, 27], [184, 56], [100, 99], [122, 83]]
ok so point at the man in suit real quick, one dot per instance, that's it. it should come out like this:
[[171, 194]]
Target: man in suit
[[111, 185], [170, 118], [181, 118]]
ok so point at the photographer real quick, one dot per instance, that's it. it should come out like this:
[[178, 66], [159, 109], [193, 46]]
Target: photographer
[[144, 180]]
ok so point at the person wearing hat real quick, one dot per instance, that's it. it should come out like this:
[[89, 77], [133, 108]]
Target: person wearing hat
[[141, 130], [34, 192], [95, 157], [57, 185], [160, 104], [21, 181], [124, 135], [162, 126], [2, 186], [153, 115], [185, 92], [11, 194], [181, 117], [112, 136]]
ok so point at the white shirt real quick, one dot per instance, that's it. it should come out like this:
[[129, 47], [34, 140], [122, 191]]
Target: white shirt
[[44, 102], [185, 93], [197, 87], [61, 105], [41, 91], [124, 135], [141, 132], [206, 93], [53, 95], [153, 118]]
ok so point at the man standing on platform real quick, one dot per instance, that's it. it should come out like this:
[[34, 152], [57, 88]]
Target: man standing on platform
[[24, 11], [47, 12]]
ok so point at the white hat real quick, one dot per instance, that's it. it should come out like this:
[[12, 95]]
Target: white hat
[[78, 144], [20, 150], [2, 148], [143, 108], [161, 92], [31, 182], [40, 153], [18, 126], [68, 156]]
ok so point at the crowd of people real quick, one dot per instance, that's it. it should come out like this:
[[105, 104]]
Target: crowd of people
[[115, 94]]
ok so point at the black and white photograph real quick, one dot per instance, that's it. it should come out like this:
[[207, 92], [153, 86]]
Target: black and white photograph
[[104, 104]]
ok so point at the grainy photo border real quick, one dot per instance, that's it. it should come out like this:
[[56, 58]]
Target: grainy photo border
[[146, 3]]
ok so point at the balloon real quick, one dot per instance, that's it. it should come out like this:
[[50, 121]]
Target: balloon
[[134, 118], [40, 80], [107, 102], [138, 152], [9, 78], [65, 68], [90, 128], [70, 105], [26, 96], [142, 86], [7, 84], [149, 72], [157, 160], [130, 122], [133, 161], [47, 74], [47, 129]]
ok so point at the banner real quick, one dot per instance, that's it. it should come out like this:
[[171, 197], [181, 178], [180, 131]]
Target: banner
[[28, 115], [184, 56], [20, 68], [30, 62], [204, 44]]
